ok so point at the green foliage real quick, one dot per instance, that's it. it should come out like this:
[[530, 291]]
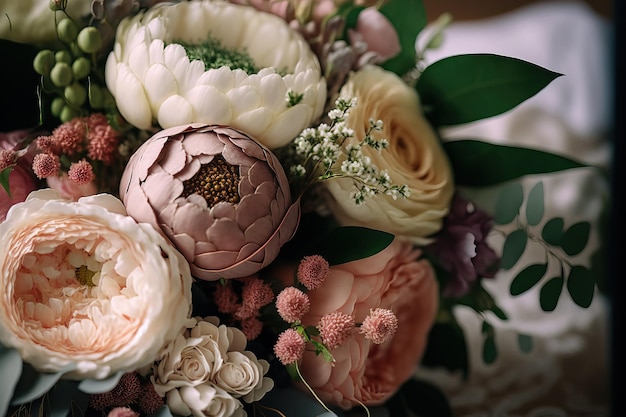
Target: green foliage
[[490, 350], [575, 238], [552, 231], [534, 205], [408, 18], [527, 278], [465, 88], [513, 248], [525, 343], [478, 163], [4, 179], [96, 386], [349, 243], [419, 398], [581, 284], [509, 203], [10, 369], [550, 293], [446, 348]]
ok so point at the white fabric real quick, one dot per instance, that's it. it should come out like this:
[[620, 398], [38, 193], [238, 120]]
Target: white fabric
[[565, 374]]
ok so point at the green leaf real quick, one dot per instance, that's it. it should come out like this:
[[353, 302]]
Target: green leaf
[[552, 231], [408, 18], [490, 352], [534, 205], [527, 278], [525, 342], [446, 348], [419, 398], [508, 203], [477, 163], [550, 293], [97, 386], [575, 238], [4, 179], [465, 88], [65, 399], [349, 243], [513, 248], [33, 384], [581, 285], [10, 369]]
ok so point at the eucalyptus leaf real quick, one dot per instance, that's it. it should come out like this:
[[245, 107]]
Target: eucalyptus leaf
[[465, 88], [508, 203], [527, 278], [525, 342], [98, 386], [534, 205], [490, 351], [350, 243], [550, 293], [513, 248], [4, 179], [10, 369], [64, 398], [33, 384], [552, 231], [581, 285], [477, 163], [575, 238], [408, 19]]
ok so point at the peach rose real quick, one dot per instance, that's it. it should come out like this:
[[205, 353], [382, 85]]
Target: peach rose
[[415, 157], [363, 372]]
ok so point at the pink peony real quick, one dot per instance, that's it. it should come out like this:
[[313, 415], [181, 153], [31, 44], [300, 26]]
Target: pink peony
[[221, 198], [364, 372]]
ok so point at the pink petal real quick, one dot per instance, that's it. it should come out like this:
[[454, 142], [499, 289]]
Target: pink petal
[[260, 230], [250, 208], [225, 234], [161, 189], [259, 173], [202, 143], [174, 158], [223, 210]]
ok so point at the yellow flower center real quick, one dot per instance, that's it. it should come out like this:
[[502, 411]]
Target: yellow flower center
[[84, 275], [216, 181]]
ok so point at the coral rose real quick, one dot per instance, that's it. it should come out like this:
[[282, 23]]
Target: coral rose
[[222, 198], [364, 372], [414, 157], [85, 289]]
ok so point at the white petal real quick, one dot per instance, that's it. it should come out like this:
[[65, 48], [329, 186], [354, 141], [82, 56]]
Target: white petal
[[175, 111], [159, 84], [131, 98], [210, 105], [244, 98]]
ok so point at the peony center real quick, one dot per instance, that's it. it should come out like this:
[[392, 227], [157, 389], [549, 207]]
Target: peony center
[[214, 55], [217, 181]]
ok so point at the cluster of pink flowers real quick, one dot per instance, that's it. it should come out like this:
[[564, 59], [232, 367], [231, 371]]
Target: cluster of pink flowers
[[130, 397]]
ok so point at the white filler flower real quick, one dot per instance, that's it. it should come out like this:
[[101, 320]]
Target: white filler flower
[[153, 80]]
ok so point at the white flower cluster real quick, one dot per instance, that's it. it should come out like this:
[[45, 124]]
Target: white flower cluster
[[319, 151]]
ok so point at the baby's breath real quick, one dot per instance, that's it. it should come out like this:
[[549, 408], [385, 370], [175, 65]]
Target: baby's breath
[[315, 153]]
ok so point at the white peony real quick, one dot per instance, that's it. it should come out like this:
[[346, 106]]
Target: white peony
[[153, 80], [86, 289]]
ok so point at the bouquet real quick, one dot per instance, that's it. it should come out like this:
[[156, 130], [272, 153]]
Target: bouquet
[[246, 207]]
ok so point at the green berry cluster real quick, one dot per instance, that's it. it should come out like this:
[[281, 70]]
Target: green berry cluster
[[70, 75]]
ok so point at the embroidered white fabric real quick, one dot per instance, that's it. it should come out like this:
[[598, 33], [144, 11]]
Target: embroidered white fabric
[[566, 371]]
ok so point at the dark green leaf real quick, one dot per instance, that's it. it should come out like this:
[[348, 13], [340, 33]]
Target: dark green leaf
[[477, 163], [550, 293], [66, 400], [349, 243], [419, 398], [525, 342], [575, 238], [480, 300], [581, 285], [446, 348], [534, 205], [350, 12], [513, 248], [4, 179], [465, 88], [490, 352], [408, 18], [508, 203], [527, 278], [552, 231], [10, 369], [33, 384]]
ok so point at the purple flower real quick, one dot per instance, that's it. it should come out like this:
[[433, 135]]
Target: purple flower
[[461, 247]]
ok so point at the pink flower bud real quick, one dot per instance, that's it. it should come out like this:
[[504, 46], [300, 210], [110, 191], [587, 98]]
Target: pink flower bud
[[374, 29]]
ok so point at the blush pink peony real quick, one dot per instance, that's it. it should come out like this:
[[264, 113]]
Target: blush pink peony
[[363, 372]]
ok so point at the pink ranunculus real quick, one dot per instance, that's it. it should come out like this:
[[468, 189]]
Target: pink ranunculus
[[375, 30], [363, 372], [221, 197], [68, 189]]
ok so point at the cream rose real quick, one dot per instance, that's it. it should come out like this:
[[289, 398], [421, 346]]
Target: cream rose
[[87, 289], [414, 157], [203, 400]]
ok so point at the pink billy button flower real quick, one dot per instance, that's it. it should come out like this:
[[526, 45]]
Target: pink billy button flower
[[102, 139], [70, 136], [7, 158], [292, 304], [46, 165], [226, 300], [380, 325], [47, 144], [255, 294], [149, 401], [289, 347], [335, 328], [251, 327], [312, 271], [81, 172], [125, 393]]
